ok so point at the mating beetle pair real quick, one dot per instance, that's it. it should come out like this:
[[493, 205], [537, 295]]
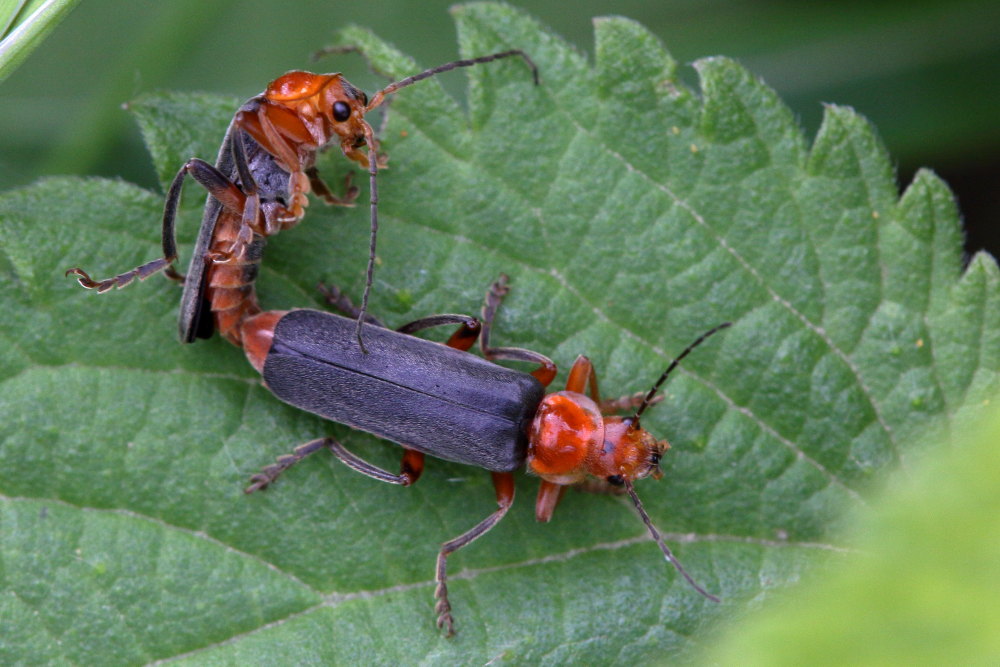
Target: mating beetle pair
[[431, 398], [438, 400]]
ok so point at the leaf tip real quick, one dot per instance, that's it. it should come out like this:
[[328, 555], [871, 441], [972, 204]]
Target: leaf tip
[[928, 186], [844, 118], [983, 266], [848, 143]]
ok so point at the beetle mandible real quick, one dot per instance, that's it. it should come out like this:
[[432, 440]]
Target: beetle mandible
[[258, 187], [439, 400]]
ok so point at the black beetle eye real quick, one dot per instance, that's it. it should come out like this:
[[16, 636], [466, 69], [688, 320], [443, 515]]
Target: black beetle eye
[[341, 111], [616, 480]]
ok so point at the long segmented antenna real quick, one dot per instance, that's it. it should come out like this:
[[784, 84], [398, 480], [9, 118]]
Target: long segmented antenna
[[468, 62], [667, 553], [673, 364], [373, 190], [455, 64]]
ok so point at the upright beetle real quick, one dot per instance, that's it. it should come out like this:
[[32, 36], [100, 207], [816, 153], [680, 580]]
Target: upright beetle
[[438, 400], [259, 186]]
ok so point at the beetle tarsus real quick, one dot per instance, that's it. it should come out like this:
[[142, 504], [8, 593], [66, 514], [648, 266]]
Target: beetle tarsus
[[445, 621], [270, 473], [122, 279]]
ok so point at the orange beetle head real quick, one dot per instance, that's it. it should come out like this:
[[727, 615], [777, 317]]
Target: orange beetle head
[[628, 452], [343, 106]]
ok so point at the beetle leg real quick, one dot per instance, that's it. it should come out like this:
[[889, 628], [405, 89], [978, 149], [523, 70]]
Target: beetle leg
[[262, 479], [503, 482], [336, 298], [234, 202], [220, 187], [248, 182], [626, 403], [463, 339], [361, 157], [298, 182], [251, 206], [274, 143], [549, 495], [122, 279], [323, 190], [174, 274], [582, 378], [272, 212], [244, 234], [411, 467], [546, 371], [465, 336]]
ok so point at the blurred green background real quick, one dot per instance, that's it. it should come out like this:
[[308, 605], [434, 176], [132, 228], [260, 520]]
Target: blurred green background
[[926, 73]]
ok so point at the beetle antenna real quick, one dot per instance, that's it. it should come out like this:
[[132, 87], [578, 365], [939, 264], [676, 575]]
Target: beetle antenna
[[659, 539], [330, 50], [673, 364], [373, 191], [378, 97]]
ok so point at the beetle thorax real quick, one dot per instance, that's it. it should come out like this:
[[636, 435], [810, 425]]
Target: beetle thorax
[[565, 431]]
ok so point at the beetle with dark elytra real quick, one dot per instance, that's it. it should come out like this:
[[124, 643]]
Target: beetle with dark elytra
[[438, 400], [258, 187]]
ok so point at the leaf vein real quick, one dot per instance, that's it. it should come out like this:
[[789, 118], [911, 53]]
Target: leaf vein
[[755, 274]]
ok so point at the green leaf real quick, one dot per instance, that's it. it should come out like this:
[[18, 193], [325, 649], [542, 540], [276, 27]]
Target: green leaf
[[23, 26], [632, 214], [919, 589]]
